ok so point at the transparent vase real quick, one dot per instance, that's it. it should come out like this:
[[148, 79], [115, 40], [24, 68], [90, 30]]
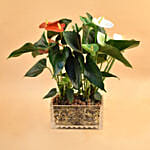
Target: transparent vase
[[76, 116]]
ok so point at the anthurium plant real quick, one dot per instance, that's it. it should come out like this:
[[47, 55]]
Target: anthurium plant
[[79, 59]]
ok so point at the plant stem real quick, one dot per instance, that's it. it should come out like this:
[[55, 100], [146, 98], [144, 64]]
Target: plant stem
[[112, 62], [109, 66], [109, 61], [101, 66], [96, 31]]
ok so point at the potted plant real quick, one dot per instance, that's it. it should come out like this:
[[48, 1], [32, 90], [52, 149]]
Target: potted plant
[[79, 60]]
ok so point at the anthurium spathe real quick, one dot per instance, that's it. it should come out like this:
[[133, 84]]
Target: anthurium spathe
[[53, 26], [102, 22]]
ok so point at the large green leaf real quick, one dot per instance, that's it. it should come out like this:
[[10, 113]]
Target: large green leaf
[[58, 58], [115, 53], [42, 42], [51, 93], [73, 70], [37, 68], [72, 39], [80, 58], [28, 47], [70, 95], [123, 44], [91, 48], [53, 50], [92, 73]]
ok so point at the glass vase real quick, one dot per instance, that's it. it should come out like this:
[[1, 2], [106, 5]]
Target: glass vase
[[76, 116]]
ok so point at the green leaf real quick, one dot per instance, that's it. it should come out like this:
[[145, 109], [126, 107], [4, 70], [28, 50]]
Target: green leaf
[[96, 28], [65, 80], [97, 96], [91, 48], [42, 42], [51, 93], [65, 21], [50, 34], [80, 58], [70, 95], [115, 53], [72, 39], [58, 58], [89, 16], [88, 35], [28, 47], [106, 74], [84, 20], [73, 70], [123, 44], [53, 50], [92, 73], [101, 58], [77, 29], [37, 68]]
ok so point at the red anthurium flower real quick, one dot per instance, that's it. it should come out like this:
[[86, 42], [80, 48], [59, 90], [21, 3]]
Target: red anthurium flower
[[53, 26]]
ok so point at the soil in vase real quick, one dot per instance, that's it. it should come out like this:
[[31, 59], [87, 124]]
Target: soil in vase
[[79, 114]]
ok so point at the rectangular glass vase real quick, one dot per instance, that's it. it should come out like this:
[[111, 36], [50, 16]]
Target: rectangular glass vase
[[76, 116]]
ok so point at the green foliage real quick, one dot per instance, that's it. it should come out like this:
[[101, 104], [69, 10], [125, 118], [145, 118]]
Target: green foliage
[[92, 73], [51, 93], [91, 48], [80, 59], [89, 17], [73, 40], [50, 34], [97, 96], [115, 53], [28, 47], [65, 21], [123, 44], [42, 42], [58, 58], [101, 58], [70, 95], [84, 20], [78, 62], [88, 35], [37, 68], [73, 70], [106, 74]]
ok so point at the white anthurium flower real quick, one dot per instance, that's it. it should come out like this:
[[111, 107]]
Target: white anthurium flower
[[117, 36], [102, 22], [101, 38]]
